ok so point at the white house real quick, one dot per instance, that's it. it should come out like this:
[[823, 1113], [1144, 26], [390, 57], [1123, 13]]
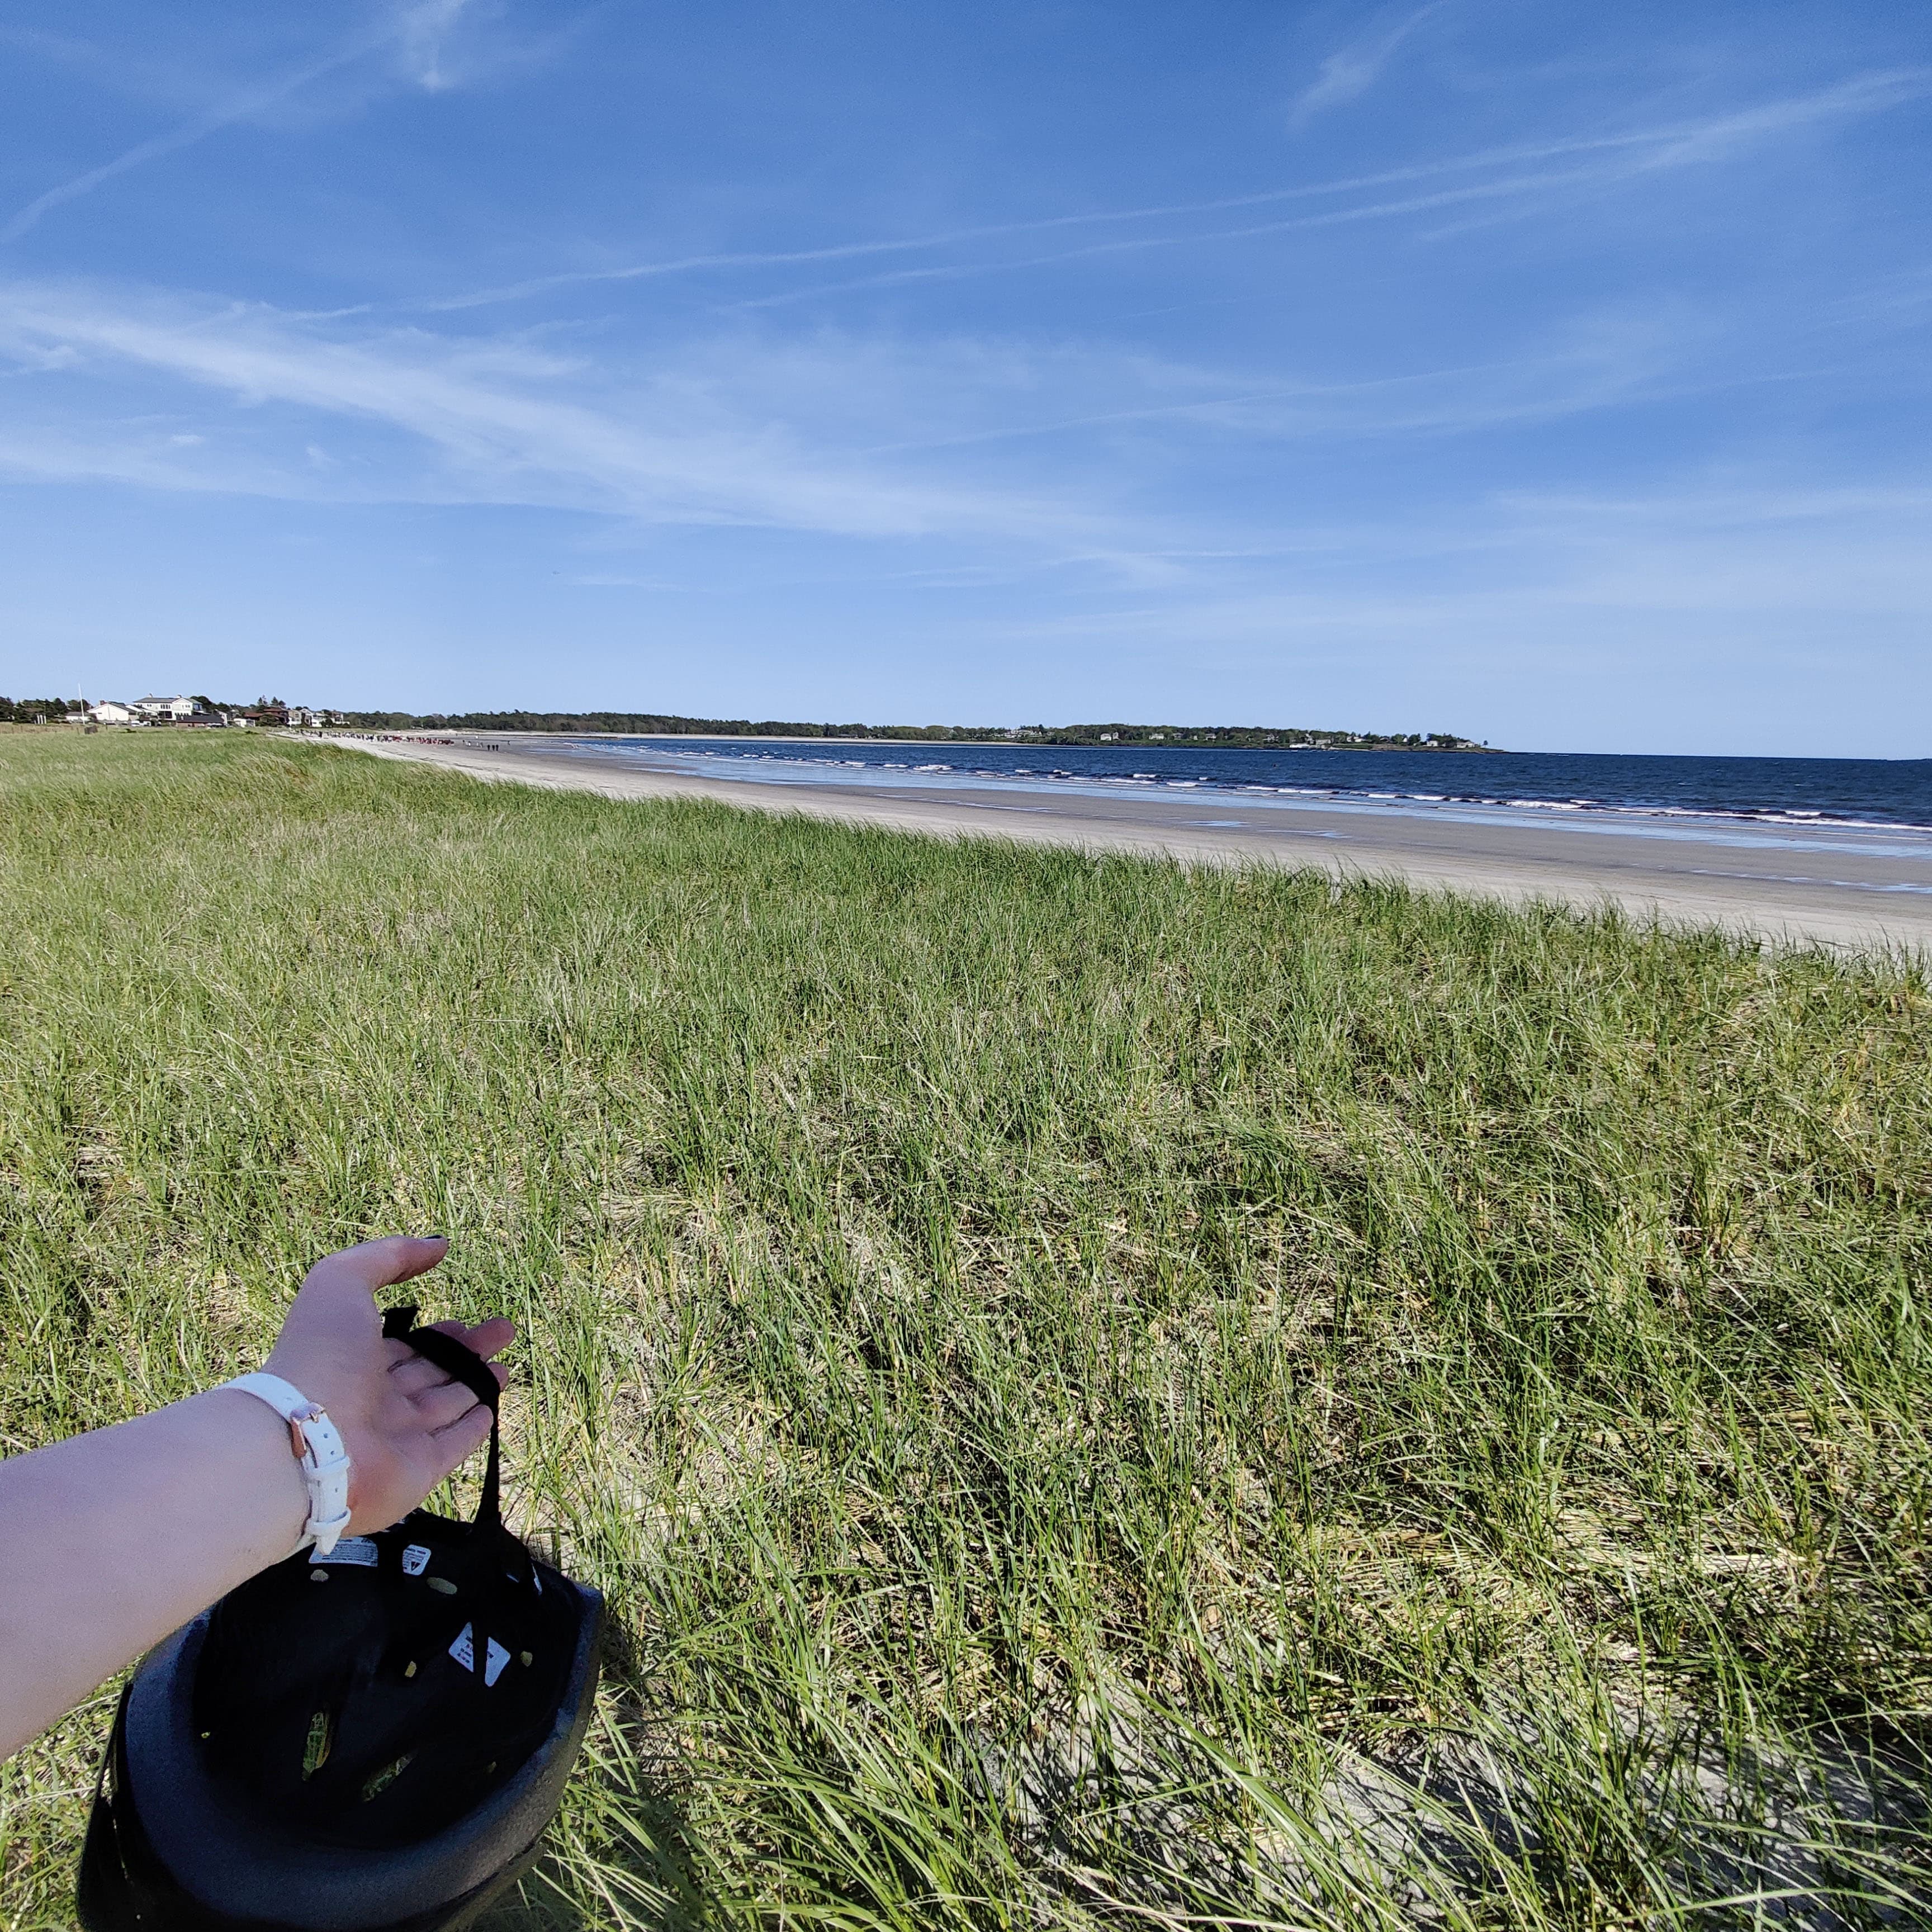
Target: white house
[[170, 710], [109, 711]]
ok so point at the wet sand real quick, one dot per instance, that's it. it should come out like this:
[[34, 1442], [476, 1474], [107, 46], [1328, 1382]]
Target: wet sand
[[1858, 889]]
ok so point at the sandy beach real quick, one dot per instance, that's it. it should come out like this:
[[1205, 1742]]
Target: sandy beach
[[1846, 887]]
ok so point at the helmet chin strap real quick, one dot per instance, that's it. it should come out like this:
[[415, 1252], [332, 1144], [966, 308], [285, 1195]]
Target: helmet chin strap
[[465, 1365]]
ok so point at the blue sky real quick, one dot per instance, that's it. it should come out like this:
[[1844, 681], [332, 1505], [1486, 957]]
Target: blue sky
[[1554, 375]]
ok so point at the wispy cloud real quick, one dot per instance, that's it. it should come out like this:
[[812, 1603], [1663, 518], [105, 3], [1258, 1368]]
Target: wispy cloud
[[1523, 178], [422, 30], [417, 30], [1349, 73], [1517, 187], [502, 422], [1522, 171], [1017, 445], [1722, 569], [238, 108], [863, 436], [1611, 362], [62, 47]]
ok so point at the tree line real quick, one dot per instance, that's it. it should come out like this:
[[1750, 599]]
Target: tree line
[[653, 725], [656, 724]]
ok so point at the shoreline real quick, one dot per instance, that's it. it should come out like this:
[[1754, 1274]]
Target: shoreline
[[991, 744], [1252, 796], [1789, 889]]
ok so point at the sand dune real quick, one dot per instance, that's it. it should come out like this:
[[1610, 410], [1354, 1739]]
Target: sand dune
[[1857, 889]]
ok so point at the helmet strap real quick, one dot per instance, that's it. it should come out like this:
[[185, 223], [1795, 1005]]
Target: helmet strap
[[462, 1365]]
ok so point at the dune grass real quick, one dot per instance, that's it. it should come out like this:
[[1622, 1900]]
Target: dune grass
[[1097, 1392]]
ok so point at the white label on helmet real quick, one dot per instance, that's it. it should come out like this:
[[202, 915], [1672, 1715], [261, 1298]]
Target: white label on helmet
[[351, 1549], [464, 1648], [415, 1560], [494, 1658]]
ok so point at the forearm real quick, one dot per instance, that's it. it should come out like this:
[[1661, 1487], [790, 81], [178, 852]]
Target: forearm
[[112, 1539]]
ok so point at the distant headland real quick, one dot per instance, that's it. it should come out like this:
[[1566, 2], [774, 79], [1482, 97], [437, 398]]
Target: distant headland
[[205, 711], [645, 725]]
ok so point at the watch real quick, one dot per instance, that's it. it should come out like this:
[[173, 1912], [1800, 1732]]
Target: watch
[[317, 1443]]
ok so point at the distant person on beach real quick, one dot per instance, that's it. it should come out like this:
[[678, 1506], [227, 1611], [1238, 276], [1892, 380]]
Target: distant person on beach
[[115, 1538]]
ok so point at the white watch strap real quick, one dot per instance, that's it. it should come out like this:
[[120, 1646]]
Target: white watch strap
[[318, 1443]]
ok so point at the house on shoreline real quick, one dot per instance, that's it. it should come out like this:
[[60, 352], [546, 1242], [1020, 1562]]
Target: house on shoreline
[[180, 709], [177, 710], [273, 711], [183, 710]]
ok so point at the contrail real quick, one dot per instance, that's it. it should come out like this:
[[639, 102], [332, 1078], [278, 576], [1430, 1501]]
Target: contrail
[[408, 25], [1863, 94]]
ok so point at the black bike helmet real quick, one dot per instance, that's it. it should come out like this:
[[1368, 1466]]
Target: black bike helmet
[[372, 1740]]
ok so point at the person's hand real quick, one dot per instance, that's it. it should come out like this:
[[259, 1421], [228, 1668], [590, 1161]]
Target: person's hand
[[405, 1423]]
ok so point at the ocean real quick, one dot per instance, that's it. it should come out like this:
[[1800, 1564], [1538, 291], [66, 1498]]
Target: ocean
[[1874, 793]]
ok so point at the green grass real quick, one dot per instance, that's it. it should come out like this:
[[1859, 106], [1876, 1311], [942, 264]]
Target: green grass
[[1097, 1392]]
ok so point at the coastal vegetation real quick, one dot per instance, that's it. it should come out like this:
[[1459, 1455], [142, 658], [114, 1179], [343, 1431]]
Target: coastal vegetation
[[647, 724], [34, 710], [1098, 1392]]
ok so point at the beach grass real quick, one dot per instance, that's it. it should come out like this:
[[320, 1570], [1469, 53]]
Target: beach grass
[[1098, 1392]]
